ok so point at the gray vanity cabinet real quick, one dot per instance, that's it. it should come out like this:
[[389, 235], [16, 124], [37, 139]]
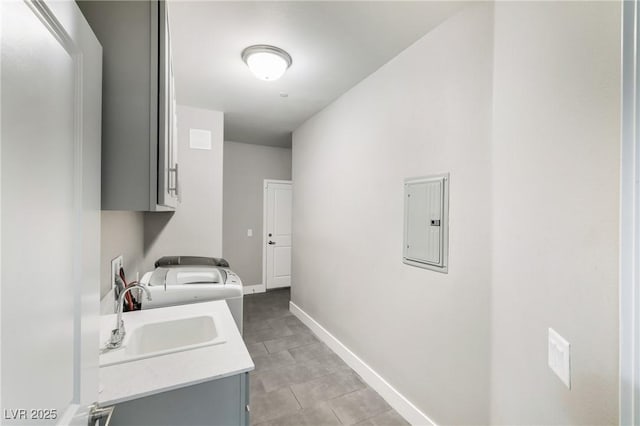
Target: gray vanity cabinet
[[222, 402], [139, 145]]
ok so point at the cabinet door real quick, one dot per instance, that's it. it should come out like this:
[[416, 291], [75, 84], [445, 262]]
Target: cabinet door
[[173, 160], [168, 171], [216, 402]]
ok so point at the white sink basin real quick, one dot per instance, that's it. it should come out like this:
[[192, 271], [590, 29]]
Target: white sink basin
[[169, 335], [148, 336]]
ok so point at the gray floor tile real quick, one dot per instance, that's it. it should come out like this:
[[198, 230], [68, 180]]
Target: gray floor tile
[[255, 385], [256, 349], [255, 326], [309, 352], [266, 334], [297, 373], [289, 320], [292, 323], [268, 361], [299, 329], [269, 311], [318, 415], [282, 327], [359, 405], [330, 360], [278, 322], [260, 319], [326, 387], [288, 342], [278, 312], [270, 405], [388, 418]]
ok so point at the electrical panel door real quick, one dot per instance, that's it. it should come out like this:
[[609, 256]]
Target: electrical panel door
[[426, 222]]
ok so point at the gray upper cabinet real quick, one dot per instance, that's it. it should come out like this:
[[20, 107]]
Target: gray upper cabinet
[[139, 145]]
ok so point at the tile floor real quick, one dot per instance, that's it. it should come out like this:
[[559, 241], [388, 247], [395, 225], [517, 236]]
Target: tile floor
[[298, 380]]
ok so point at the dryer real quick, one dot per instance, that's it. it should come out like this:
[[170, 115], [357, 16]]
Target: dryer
[[179, 280]]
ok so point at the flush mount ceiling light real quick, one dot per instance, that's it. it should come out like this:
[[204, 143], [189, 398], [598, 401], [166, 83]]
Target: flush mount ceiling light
[[266, 62]]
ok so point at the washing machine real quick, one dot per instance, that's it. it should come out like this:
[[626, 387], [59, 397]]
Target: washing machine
[[179, 280]]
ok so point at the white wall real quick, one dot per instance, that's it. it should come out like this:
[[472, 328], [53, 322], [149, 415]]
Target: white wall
[[121, 234], [555, 177], [195, 228], [246, 167], [427, 111]]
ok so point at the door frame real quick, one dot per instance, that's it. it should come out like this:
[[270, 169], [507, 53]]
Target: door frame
[[629, 292], [264, 227], [67, 24]]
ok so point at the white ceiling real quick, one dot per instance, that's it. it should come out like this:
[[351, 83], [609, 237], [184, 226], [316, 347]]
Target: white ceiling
[[334, 45]]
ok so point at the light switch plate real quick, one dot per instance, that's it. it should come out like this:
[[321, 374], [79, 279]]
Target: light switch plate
[[249, 232], [559, 357]]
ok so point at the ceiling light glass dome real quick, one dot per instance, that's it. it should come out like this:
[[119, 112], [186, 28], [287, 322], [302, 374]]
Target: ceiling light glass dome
[[266, 62]]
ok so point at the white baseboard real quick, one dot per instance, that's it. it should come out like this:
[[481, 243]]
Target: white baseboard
[[402, 405], [250, 289]]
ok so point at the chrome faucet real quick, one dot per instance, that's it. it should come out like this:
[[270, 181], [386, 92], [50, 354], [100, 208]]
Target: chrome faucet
[[117, 334]]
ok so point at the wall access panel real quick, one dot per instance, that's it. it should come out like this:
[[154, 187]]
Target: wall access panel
[[426, 222]]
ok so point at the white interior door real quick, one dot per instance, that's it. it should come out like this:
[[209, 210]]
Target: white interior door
[[277, 231], [50, 90]]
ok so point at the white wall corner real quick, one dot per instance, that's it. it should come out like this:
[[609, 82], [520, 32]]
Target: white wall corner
[[251, 289], [395, 399]]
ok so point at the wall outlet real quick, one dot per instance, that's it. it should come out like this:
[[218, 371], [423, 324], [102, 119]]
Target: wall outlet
[[559, 357], [116, 264], [249, 232]]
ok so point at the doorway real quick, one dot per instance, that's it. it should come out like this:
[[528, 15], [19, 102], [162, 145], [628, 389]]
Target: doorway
[[277, 234]]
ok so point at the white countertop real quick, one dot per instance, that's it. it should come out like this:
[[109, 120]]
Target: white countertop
[[144, 377]]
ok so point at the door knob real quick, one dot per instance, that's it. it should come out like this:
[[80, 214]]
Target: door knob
[[271, 242]]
